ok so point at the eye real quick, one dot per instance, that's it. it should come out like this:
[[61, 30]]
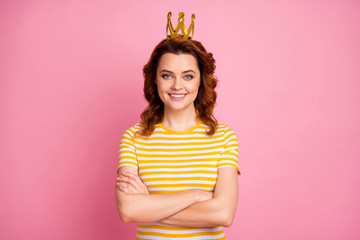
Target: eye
[[188, 77], [166, 76]]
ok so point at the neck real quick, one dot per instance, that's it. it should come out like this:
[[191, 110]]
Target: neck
[[180, 120]]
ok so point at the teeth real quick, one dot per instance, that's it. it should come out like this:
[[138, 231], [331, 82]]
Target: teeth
[[177, 95]]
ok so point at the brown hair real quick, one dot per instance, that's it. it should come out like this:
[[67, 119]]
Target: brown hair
[[205, 101]]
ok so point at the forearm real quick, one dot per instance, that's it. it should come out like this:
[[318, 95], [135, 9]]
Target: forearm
[[218, 211], [210, 213], [145, 208]]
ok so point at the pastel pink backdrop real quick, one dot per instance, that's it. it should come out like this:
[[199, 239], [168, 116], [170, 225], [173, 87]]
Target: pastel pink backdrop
[[71, 83]]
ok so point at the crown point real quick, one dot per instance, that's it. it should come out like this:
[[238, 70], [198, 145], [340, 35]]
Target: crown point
[[172, 33]]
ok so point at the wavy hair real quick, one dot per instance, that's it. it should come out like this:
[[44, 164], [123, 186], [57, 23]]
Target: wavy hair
[[206, 99]]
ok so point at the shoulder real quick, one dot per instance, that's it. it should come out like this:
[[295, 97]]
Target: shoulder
[[227, 132], [221, 130], [224, 128], [131, 132]]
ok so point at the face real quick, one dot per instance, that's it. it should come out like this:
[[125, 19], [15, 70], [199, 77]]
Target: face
[[178, 81]]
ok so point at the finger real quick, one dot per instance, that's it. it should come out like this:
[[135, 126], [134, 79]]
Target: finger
[[121, 186], [134, 183], [135, 177], [141, 184], [123, 179], [124, 189], [133, 186], [124, 184], [129, 174], [132, 179], [132, 189], [119, 179], [125, 173], [138, 180], [128, 188]]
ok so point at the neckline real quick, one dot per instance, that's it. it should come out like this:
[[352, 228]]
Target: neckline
[[180, 132]]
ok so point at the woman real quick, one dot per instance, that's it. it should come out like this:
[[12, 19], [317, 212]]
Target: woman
[[177, 172]]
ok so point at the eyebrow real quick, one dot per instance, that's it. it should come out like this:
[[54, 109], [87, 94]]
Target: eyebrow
[[165, 70]]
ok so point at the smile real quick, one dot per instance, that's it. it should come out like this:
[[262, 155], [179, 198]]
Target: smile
[[177, 96]]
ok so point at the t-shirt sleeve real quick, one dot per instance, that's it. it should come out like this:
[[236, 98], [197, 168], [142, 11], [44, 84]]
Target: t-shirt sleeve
[[229, 156], [127, 153]]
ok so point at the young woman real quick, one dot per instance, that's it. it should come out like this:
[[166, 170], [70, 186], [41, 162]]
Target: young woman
[[178, 169]]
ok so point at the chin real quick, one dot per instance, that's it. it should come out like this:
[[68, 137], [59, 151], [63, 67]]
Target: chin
[[179, 108]]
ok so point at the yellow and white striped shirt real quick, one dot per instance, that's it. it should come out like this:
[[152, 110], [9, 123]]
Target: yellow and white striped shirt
[[170, 161]]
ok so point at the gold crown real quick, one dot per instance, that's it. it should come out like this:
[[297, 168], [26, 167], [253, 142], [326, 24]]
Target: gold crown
[[185, 32]]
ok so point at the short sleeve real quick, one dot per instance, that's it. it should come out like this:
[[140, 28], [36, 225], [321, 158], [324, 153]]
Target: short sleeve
[[127, 153], [230, 154]]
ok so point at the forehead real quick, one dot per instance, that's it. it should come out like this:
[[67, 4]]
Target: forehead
[[179, 62]]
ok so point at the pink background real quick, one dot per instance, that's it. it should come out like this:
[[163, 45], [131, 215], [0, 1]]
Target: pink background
[[71, 83]]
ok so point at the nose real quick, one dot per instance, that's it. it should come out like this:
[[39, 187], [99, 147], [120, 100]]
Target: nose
[[177, 84]]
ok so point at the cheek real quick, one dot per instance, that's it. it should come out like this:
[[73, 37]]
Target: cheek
[[162, 88], [161, 95], [194, 87]]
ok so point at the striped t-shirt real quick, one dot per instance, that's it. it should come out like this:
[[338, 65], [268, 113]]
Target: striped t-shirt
[[170, 161]]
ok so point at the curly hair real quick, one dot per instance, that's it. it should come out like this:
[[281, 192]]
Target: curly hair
[[206, 99]]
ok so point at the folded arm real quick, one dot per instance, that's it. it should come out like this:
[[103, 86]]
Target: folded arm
[[218, 211], [144, 207]]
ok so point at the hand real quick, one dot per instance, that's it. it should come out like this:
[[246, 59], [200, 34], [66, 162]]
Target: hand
[[131, 183]]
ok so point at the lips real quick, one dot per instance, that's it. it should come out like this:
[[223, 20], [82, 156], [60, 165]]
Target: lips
[[177, 95]]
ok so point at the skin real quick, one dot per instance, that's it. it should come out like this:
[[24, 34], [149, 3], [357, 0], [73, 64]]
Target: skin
[[177, 74]]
